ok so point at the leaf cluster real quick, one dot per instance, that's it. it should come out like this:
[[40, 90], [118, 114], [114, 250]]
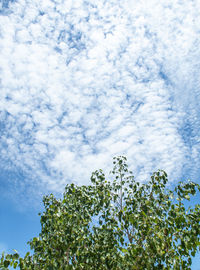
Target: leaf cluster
[[119, 224]]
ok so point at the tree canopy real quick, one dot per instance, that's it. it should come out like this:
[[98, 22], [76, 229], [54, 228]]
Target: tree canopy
[[116, 224]]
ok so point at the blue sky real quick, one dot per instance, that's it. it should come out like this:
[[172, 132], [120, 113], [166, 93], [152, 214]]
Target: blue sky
[[83, 81]]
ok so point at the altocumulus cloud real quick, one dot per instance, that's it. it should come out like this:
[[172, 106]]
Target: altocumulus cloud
[[82, 81]]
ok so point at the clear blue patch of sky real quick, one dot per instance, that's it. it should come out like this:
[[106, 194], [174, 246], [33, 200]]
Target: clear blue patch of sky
[[4, 7], [17, 227], [5, 3], [193, 201]]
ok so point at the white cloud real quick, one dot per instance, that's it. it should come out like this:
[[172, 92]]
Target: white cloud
[[3, 248], [82, 81]]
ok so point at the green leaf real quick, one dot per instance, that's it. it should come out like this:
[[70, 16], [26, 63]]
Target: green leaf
[[6, 263], [187, 197]]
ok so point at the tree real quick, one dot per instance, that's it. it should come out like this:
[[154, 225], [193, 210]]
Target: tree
[[118, 224]]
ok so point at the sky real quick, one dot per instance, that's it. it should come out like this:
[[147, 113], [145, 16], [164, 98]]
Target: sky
[[83, 81]]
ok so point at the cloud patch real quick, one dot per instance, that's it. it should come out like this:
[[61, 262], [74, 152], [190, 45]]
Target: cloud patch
[[83, 81], [3, 248]]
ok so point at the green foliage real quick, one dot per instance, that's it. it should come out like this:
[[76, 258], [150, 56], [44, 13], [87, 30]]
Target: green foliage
[[119, 224]]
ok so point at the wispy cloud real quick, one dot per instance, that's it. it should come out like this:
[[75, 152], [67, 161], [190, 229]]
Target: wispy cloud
[[3, 248], [82, 81]]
